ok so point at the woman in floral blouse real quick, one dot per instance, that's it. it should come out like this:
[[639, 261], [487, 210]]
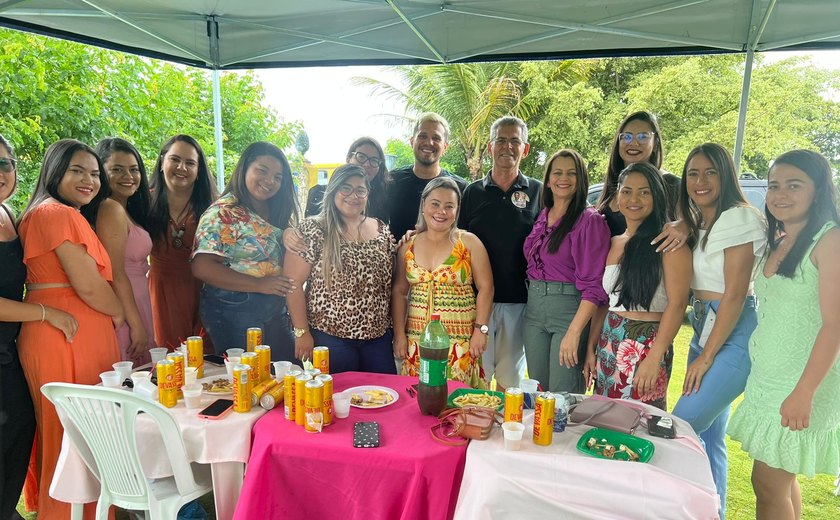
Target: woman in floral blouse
[[436, 269], [239, 253]]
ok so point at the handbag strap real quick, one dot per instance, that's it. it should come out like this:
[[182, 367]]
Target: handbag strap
[[606, 405], [446, 430]]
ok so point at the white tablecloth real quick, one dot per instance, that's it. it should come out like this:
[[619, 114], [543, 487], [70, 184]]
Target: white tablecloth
[[560, 482], [223, 443]]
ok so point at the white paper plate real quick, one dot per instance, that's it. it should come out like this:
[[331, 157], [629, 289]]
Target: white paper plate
[[361, 391], [210, 379]]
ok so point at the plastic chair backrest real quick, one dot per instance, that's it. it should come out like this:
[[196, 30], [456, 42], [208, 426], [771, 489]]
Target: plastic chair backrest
[[103, 420]]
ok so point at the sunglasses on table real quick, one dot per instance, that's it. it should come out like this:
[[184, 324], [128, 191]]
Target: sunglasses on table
[[7, 165], [641, 137], [362, 158]]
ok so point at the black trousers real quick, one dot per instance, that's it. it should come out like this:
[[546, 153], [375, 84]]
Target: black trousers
[[17, 431]]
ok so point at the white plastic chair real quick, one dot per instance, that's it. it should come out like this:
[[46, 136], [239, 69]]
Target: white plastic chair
[[100, 423]]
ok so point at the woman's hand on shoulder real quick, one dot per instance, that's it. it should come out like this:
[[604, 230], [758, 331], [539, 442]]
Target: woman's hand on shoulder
[[672, 237], [294, 241], [63, 321]]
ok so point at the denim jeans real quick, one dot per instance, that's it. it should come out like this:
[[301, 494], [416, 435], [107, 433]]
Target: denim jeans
[[708, 410], [359, 355], [226, 316]]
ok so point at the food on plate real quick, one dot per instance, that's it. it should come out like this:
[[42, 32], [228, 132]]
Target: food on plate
[[218, 386], [484, 400], [371, 398]]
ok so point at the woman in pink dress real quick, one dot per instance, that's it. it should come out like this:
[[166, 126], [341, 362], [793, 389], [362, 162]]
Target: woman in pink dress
[[120, 226]]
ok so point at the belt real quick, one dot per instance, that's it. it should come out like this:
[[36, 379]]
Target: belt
[[547, 288]]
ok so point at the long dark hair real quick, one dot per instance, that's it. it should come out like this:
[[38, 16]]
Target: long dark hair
[[56, 161], [823, 208], [730, 191], [282, 207], [376, 205], [616, 164], [137, 206], [640, 269], [203, 193], [5, 144], [578, 203]]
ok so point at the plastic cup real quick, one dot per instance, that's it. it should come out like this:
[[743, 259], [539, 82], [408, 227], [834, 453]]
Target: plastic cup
[[192, 395], [123, 368], [158, 353], [145, 388], [190, 375], [529, 387], [110, 379], [281, 368], [231, 362], [341, 404], [235, 352], [136, 377], [513, 435]]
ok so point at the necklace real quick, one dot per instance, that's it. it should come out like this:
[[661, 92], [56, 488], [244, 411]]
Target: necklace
[[178, 226]]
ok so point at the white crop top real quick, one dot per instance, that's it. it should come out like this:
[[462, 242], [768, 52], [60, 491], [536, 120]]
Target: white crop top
[[657, 303], [735, 226]]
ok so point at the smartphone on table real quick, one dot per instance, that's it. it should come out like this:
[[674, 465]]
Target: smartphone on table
[[217, 409], [661, 427], [366, 435]]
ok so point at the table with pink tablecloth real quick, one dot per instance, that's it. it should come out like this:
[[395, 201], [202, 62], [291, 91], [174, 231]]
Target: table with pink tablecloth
[[558, 481], [294, 474]]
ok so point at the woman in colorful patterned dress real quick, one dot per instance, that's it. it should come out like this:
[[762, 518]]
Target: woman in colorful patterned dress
[[239, 254], [436, 270], [648, 291], [789, 421]]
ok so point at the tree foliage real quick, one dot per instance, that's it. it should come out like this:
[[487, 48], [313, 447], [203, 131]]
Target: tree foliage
[[52, 89]]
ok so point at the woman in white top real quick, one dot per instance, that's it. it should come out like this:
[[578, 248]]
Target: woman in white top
[[729, 237], [648, 292]]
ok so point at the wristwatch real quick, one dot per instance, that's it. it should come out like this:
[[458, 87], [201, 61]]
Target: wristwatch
[[299, 332], [484, 329]]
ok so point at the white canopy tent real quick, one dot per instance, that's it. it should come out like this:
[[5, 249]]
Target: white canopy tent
[[244, 34]]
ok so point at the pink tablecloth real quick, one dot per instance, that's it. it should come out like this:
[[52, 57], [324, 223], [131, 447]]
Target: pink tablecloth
[[293, 474]]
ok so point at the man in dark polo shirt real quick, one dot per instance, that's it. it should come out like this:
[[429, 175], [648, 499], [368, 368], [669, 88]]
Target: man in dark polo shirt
[[429, 141], [500, 209]]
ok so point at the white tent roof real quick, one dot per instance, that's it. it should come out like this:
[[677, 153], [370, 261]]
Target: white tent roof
[[290, 33]]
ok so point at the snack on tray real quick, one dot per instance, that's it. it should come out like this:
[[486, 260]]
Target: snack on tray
[[484, 400], [218, 386], [371, 398]]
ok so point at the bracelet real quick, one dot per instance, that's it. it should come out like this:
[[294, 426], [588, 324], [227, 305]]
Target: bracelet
[[43, 312]]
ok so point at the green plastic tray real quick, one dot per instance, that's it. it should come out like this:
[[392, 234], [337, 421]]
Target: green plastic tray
[[465, 391], [641, 446]]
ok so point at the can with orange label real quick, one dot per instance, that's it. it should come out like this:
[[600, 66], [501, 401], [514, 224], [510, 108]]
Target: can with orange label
[[264, 355], [544, 419], [242, 375], [272, 397], [327, 406], [195, 354], [321, 359], [252, 359], [314, 415], [300, 398], [289, 399], [514, 403], [253, 337], [259, 389], [180, 364], [167, 383]]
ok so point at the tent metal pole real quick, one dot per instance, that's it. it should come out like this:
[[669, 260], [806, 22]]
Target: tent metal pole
[[217, 128], [742, 110]]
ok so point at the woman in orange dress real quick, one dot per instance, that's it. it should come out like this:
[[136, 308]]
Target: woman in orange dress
[[68, 269], [182, 188]]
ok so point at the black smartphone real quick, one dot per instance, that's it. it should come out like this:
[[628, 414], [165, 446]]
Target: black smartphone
[[217, 409], [661, 427], [213, 359], [366, 435]]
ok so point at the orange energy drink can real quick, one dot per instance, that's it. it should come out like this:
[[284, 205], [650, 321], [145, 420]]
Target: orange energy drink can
[[544, 419], [242, 375], [300, 398], [289, 399], [321, 359], [252, 359], [264, 355], [195, 354], [253, 337], [327, 407], [259, 389], [272, 397], [314, 416], [514, 402], [167, 383], [180, 364]]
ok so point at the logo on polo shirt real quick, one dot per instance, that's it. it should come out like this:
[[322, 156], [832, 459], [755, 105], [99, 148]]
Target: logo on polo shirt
[[520, 199]]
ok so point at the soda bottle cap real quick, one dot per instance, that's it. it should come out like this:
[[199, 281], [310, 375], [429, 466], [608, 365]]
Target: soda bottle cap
[[435, 317]]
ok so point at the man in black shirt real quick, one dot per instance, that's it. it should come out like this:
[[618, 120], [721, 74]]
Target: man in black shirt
[[429, 141], [500, 209]]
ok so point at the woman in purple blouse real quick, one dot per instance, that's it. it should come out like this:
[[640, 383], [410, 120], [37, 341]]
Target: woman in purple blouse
[[565, 251]]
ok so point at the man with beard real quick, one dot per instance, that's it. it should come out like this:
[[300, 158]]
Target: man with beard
[[500, 209], [429, 141]]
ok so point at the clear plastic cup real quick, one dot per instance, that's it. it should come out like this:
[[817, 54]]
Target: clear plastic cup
[[110, 379], [145, 388], [235, 352], [123, 368], [192, 395], [513, 435], [158, 353], [231, 362], [190, 375], [281, 368], [341, 404], [529, 387], [142, 375]]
